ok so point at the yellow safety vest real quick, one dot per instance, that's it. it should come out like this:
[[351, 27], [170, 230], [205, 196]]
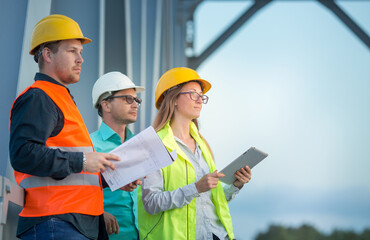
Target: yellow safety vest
[[180, 223]]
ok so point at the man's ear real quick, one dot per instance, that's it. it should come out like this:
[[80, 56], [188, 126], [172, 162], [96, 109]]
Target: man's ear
[[47, 54], [105, 106]]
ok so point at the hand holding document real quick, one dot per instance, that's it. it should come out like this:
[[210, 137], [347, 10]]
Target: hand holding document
[[140, 156], [251, 158]]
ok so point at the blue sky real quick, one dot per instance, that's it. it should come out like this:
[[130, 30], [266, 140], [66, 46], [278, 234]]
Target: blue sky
[[293, 82]]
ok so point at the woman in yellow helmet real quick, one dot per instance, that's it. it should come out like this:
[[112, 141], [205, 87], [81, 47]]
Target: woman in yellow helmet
[[185, 200]]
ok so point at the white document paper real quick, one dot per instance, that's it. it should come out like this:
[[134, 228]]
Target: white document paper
[[140, 156], [251, 158]]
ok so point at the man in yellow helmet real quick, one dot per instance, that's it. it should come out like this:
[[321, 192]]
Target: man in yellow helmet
[[50, 148]]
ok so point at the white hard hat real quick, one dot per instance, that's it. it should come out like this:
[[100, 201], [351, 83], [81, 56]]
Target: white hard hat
[[109, 83]]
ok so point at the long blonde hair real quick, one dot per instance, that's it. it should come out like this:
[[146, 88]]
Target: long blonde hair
[[167, 109]]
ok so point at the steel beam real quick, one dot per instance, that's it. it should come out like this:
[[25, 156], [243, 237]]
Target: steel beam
[[194, 62], [332, 6]]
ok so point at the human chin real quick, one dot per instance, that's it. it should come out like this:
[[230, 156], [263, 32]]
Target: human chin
[[194, 115], [73, 78], [129, 120]]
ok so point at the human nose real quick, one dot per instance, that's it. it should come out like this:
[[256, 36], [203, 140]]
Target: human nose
[[135, 104], [80, 59], [199, 98]]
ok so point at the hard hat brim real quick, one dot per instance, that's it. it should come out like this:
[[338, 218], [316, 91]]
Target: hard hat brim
[[109, 83], [84, 40]]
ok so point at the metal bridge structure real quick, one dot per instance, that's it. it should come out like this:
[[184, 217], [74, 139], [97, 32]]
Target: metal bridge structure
[[141, 38]]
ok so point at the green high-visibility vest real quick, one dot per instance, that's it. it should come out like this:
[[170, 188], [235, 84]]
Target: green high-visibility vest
[[180, 223]]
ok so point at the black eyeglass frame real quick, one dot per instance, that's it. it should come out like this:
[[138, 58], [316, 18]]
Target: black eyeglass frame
[[129, 99], [192, 94]]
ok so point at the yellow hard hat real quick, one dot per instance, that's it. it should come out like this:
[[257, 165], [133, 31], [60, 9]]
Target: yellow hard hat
[[176, 76], [53, 28]]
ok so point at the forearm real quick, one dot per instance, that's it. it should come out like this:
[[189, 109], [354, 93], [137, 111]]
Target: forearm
[[156, 200], [34, 119], [38, 160]]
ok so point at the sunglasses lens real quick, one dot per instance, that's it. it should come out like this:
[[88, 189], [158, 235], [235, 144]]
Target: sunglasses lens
[[204, 99], [129, 99]]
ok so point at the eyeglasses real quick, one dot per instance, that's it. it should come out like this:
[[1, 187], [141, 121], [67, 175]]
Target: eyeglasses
[[195, 96], [129, 99]]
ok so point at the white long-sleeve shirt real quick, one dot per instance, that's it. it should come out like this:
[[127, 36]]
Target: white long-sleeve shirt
[[157, 200]]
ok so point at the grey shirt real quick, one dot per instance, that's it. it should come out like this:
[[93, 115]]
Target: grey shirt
[[156, 200]]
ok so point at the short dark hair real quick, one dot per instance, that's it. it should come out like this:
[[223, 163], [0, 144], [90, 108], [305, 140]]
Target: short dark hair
[[100, 110], [53, 46]]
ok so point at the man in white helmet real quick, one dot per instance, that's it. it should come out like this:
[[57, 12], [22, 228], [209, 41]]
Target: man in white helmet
[[115, 97]]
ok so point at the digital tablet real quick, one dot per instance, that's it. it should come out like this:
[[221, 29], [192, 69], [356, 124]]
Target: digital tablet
[[251, 158]]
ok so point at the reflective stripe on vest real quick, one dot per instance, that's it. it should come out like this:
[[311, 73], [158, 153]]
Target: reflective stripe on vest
[[73, 179], [74, 149]]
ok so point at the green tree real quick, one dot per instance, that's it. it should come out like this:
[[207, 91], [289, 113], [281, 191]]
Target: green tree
[[308, 232], [365, 235], [343, 235], [275, 232]]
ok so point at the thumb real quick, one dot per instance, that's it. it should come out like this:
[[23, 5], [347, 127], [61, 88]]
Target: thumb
[[217, 175]]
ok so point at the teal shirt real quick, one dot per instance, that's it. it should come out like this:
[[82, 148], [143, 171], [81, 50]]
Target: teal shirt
[[121, 204]]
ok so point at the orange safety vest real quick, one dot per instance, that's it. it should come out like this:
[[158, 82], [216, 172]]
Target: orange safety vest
[[78, 192]]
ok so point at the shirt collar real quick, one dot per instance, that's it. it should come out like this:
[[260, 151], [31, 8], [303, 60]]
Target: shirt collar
[[43, 77], [128, 133], [107, 132], [197, 149]]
